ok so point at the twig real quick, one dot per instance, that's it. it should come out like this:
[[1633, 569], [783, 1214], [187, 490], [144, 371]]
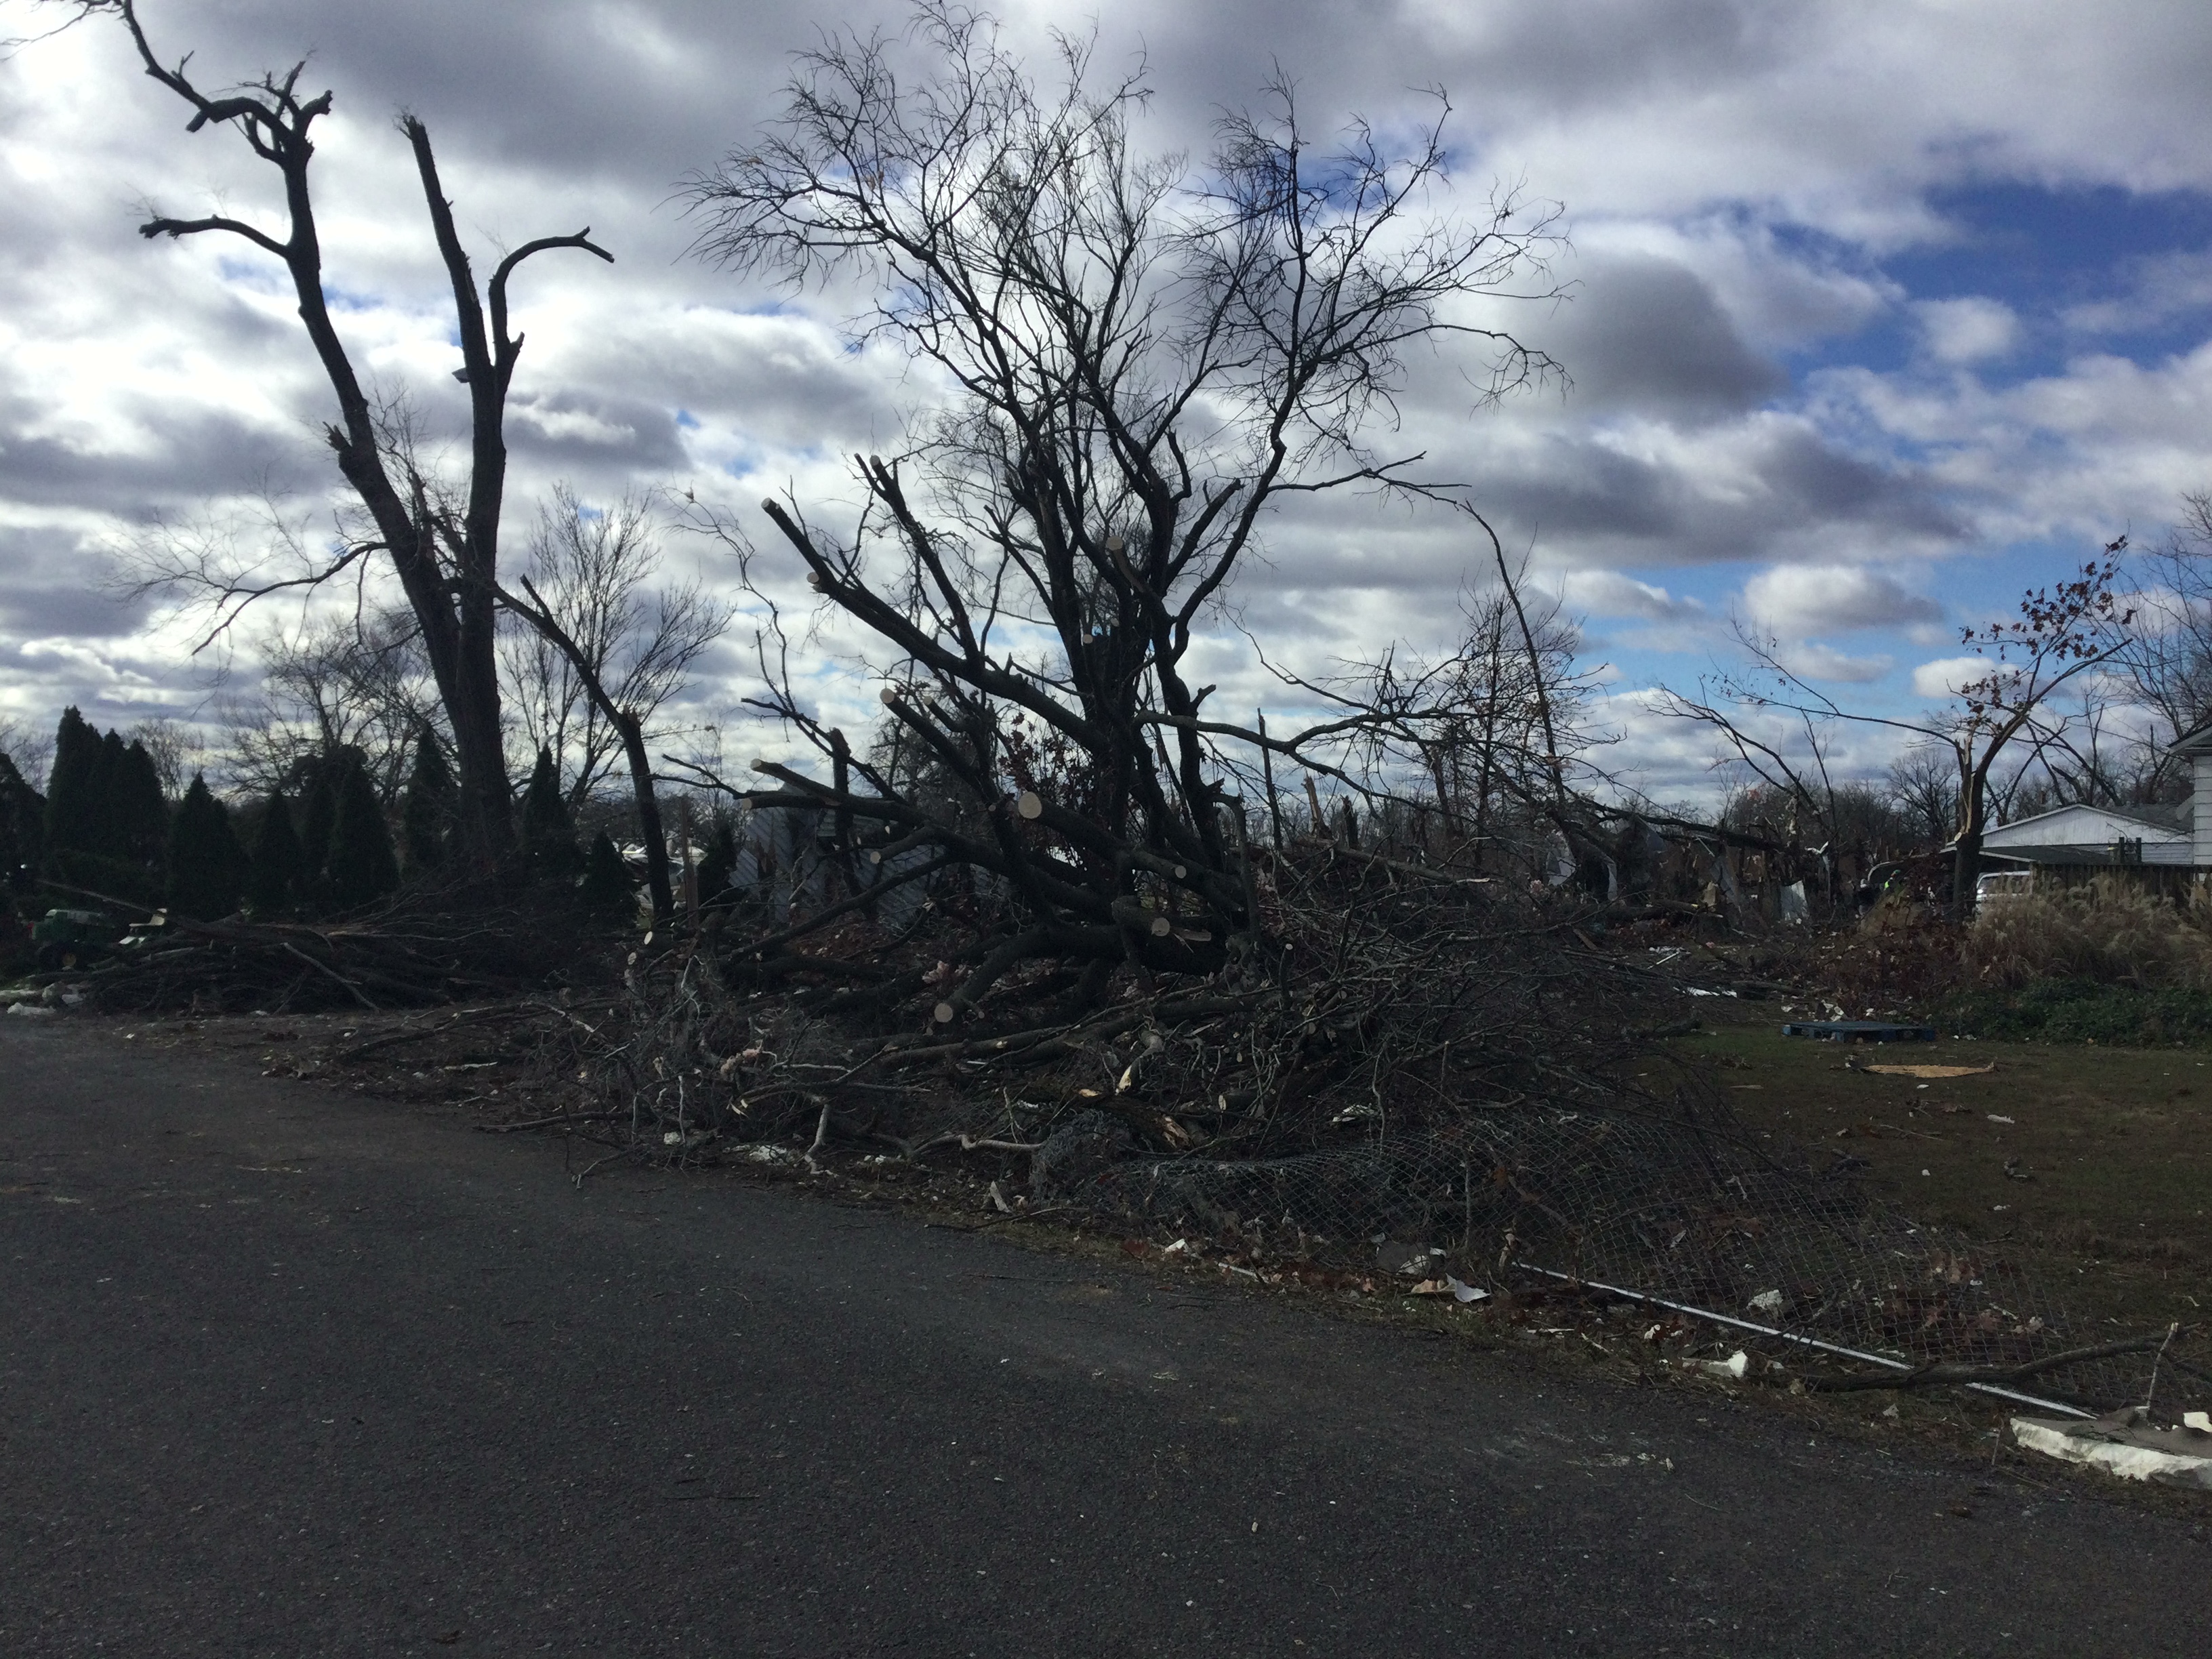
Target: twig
[[579, 1177], [1012, 1215], [287, 945], [2150, 1394], [1920, 1377], [545, 1122]]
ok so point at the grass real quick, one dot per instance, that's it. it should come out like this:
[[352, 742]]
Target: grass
[[2079, 1011], [2093, 1163]]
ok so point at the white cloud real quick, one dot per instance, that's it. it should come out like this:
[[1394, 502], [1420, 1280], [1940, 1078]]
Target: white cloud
[[1968, 330], [1810, 599], [1943, 677], [1611, 593], [1815, 661]]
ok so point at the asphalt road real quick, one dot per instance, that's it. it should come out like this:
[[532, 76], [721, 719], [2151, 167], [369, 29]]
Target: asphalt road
[[284, 1370]]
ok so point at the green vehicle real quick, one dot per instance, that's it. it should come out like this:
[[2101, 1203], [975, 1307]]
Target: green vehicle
[[63, 938]]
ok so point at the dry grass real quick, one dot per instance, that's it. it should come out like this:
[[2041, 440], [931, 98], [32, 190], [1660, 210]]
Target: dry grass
[[2107, 932]]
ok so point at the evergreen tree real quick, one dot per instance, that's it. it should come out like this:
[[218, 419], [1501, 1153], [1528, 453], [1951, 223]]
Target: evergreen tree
[[549, 835], [105, 832], [73, 806], [318, 812], [426, 816], [606, 884], [107, 826], [206, 863], [279, 872], [22, 822], [11, 855], [140, 813], [361, 866]]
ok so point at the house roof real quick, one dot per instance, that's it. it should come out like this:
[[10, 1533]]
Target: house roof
[[2197, 738], [2084, 826]]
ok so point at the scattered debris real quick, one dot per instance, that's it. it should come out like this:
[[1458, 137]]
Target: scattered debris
[[1732, 1367], [2123, 1443], [1859, 1030], [1932, 1070], [1449, 1285]]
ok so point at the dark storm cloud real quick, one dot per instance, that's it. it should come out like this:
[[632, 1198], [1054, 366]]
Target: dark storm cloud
[[607, 435], [57, 589], [788, 380], [192, 454], [1646, 334]]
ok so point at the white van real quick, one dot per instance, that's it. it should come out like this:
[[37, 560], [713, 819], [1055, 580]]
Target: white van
[[2003, 885]]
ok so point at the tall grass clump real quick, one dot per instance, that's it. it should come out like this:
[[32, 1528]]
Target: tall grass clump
[[2107, 932]]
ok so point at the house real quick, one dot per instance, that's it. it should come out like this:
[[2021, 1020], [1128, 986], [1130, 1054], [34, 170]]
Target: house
[[2156, 845]]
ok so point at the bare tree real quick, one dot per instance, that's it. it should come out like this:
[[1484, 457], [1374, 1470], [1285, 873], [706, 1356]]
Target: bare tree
[[1924, 782], [1151, 363], [30, 749], [2062, 633], [595, 570], [175, 749], [443, 546], [2169, 659], [330, 685], [598, 656]]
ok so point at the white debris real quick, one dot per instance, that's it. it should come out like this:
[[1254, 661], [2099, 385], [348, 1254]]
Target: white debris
[[2125, 1445], [1768, 1303], [1732, 1368]]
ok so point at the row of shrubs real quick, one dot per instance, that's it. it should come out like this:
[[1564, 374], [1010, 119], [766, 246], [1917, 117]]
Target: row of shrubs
[[104, 826]]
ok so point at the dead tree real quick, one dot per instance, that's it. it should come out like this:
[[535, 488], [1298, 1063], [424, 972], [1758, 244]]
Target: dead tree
[[1150, 364], [2061, 633], [596, 660], [445, 552]]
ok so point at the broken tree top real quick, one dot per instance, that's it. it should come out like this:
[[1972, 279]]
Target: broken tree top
[[1859, 1030]]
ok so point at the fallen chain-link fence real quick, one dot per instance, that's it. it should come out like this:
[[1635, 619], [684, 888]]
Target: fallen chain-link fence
[[1685, 1216]]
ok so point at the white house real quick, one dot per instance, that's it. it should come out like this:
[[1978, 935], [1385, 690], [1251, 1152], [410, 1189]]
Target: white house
[[2092, 835], [2169, 844]]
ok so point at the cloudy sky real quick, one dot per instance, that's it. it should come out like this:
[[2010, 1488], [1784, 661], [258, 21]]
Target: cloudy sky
[[1879, 313]]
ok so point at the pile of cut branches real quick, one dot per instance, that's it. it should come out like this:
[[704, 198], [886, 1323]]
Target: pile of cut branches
[[1387, 997], [423, 948]]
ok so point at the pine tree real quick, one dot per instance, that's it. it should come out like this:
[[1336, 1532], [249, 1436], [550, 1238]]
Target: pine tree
[[73, 807], [549, 835], [106, 831], [11, 855], [361, 866], [318, 812], [22, 822], [279, 871], [140, 812], [427, 817], [205, 862], [606, 884], [107, 826]]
